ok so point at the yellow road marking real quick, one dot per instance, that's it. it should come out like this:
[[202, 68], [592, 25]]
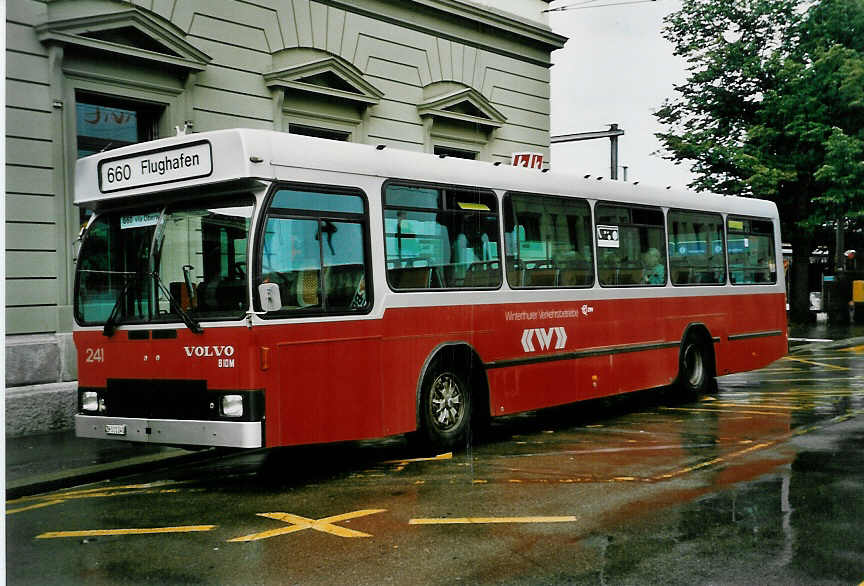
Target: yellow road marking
[[488, 520], [447, 456], [853, 349], [299, 523], [715, 461], [761, 406], [816, 393], [828, 357], [735, 412], [815, 363], [106, 532], [36, 506], [819, 379], [760, 446]]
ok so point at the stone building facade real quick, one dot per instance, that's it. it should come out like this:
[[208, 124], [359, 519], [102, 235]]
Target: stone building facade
[[454, 77]]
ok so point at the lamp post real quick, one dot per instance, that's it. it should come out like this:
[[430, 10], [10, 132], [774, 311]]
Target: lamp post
[[612, 134]]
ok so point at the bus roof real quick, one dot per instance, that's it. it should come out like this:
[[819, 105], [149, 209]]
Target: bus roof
[[235, 155]]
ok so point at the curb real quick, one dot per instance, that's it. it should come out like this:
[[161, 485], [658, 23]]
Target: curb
[[87, 474], [834, 345]]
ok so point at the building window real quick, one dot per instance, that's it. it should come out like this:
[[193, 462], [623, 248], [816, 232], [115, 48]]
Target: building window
[[456, 153], [319, 132], [104, 124]]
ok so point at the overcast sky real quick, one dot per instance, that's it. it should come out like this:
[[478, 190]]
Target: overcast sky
[[615, 68]]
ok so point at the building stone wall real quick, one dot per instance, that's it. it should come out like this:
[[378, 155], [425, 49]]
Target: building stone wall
[[240, 63]]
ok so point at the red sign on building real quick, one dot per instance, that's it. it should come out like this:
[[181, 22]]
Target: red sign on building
[[530, 160]]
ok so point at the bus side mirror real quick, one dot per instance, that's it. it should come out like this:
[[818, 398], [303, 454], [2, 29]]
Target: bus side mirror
[[271, 300]]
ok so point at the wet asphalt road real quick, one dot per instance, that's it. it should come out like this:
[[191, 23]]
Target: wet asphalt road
[[761, 482]]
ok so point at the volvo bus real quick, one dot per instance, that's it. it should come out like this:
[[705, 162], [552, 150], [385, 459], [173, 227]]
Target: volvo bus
[[249, 288]]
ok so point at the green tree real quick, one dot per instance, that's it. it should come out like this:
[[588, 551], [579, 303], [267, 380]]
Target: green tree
[[773, 107]]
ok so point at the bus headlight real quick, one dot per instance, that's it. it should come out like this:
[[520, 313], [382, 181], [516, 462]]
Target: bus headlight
[[91, 401], [232, 405]]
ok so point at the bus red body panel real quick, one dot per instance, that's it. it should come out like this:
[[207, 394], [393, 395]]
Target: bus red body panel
[[346, 380]]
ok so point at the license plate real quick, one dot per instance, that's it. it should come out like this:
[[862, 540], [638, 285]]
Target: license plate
[[115, 429]]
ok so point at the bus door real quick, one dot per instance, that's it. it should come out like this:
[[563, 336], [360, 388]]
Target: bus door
[[315, 247]]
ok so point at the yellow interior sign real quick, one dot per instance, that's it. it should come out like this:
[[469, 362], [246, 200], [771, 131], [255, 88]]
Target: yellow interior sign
[[482, 207]]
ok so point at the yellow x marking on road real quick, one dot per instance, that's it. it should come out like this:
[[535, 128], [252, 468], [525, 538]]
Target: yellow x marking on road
[[299, 523]]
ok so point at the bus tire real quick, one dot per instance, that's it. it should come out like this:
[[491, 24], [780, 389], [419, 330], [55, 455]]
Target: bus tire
[[445, 406], [695, 372]]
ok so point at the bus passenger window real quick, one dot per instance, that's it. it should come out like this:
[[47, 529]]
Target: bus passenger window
[[751, 251], [314, 248], [696, 248], [631, 245], [547, 241], [437, 238]]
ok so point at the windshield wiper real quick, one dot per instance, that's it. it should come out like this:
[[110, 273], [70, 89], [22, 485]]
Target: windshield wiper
[[114, 317], [190, 321]]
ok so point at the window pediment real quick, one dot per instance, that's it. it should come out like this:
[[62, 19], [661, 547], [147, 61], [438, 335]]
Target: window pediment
[[128, 33], [315, 72], [462, 104]]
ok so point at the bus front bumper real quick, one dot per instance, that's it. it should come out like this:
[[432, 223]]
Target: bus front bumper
[[229, 434]]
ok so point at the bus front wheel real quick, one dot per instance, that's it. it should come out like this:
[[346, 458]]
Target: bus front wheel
[[445, 407]]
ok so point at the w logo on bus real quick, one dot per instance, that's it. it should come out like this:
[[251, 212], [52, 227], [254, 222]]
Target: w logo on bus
[[544, 338]]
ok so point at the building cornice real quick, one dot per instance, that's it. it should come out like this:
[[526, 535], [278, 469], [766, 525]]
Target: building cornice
[[498, 19], [497, 25]]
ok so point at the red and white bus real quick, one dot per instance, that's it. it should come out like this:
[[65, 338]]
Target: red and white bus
[[253, 288]]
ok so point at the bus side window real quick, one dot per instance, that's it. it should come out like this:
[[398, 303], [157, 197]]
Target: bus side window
[[314, 248], [751, 251], [631, 245], [440, 238], [696, 248], [548, 241]]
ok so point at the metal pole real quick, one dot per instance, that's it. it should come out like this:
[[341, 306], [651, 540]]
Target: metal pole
[[612, 134], [840, 245]]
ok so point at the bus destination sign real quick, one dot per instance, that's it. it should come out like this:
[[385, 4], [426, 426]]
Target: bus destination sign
[[152, 168]]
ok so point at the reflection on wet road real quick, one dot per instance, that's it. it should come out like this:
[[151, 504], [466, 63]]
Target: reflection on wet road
[[762, 481]]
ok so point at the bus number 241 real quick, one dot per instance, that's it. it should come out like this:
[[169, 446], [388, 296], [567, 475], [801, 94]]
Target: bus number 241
[[95, 354]]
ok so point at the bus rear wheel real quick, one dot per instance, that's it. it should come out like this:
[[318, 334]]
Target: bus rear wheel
[[445, 407], [695, 375]]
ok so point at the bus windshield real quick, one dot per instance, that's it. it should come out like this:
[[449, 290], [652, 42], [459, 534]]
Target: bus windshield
[[165, 264]]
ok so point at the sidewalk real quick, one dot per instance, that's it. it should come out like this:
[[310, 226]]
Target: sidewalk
[[39, 463], [824, 331]]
